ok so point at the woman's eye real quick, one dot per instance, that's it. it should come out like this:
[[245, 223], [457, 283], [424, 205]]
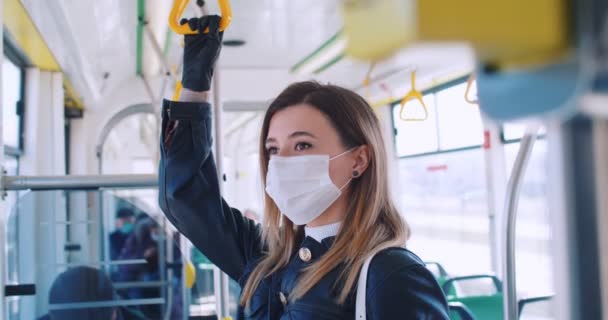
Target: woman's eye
[[303, 146], [272, 150]]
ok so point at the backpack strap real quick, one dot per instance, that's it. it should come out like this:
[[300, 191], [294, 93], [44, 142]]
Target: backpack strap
[[360, 310]]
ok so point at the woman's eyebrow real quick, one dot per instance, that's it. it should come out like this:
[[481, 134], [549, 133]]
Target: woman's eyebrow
[[301, 134], [293, 135]]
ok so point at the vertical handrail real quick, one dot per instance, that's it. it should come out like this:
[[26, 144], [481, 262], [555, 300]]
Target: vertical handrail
[[511, 202], [222, 288]]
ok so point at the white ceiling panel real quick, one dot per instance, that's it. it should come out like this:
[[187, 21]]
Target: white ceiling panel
[[92, 38]]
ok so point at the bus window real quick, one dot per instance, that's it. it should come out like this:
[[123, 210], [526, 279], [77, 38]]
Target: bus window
[[415, 137], [443, 198], [459, 122], [12, 88]]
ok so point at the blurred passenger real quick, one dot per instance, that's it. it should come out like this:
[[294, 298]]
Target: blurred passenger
[[125, 219], [142, 244], [81, 285]]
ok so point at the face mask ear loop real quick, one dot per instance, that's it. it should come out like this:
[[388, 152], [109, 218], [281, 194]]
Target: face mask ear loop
[[343, 153], [346, 184]]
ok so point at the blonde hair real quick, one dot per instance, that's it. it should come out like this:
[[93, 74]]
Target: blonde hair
[[373, 220]]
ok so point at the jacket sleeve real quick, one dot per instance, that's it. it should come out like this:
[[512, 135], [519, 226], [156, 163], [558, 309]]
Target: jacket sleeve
[[409, 292], [189, 190]]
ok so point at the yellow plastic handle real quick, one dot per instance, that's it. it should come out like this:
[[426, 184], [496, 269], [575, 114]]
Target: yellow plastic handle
[[190, 272], [179, 6], [466, 92], [413, 95], [178, 90], [367, 81]]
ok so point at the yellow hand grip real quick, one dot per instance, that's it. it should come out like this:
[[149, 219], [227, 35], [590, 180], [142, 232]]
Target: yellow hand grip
[[178, 90], [466, 92], [179, 6], [190, 274], [413, 94]]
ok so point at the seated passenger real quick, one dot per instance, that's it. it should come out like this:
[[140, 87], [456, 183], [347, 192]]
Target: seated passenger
[[142, 244], [86, 284], [327, 204]]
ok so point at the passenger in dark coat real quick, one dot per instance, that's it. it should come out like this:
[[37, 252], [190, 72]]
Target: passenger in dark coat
[[124, 227], [142, 244], [303, 262], [85, 284]]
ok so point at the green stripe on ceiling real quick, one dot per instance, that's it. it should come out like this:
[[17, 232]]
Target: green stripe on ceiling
[[167, 41], [329, 64], [311, 56], [141, 15]]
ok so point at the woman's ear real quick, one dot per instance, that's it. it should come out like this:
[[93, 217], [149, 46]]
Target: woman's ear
[[361, 156]]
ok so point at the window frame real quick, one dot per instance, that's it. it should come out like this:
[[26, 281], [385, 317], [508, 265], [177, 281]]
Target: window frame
[[433, 90], [12, 53], [506, 141]]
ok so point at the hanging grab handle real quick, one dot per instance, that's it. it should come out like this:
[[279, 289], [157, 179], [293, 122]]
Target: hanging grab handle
[[367, 82], [466, 92], [413, 95], [179, 6]]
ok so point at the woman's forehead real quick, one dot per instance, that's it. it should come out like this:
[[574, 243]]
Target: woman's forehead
[[298, 118]]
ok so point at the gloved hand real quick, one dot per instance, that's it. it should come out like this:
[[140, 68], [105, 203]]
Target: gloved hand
[[201, 52]]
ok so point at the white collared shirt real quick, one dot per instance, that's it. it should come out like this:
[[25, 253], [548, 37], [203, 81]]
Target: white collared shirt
[[321, 232]]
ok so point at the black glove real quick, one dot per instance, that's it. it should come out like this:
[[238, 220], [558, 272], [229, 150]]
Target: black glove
[[201, 52]]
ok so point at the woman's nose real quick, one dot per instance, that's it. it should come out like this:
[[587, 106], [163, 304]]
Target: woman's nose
[[284, 152]]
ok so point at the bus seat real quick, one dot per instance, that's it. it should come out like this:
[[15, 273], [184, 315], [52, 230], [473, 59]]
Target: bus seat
[[459, 311], [482, 306], [441, 275]]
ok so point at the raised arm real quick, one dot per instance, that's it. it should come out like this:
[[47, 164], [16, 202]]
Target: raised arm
[[188, 182]]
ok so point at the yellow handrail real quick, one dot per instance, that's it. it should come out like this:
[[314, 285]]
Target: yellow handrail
[[367, 81], [413, 94], [466, 92], [179, 6]]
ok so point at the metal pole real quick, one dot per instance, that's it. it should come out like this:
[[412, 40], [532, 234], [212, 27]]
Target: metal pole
[[600, 139], [511, 203], [222, 304], [496, 181], [166, 274], [79, 182], [105, 248], [574, 200], [3, 207], [185, 292], [159, 52]]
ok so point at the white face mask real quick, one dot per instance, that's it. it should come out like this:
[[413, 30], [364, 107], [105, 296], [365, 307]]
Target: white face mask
[[301, 187]]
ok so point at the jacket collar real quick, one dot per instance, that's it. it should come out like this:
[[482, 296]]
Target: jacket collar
[[322, 232]]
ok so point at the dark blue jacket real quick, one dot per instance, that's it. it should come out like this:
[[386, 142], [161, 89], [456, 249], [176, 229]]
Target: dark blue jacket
[[398, 285], [117, 242]]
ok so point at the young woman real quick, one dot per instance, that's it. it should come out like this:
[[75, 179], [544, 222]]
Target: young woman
[[328, 207]]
